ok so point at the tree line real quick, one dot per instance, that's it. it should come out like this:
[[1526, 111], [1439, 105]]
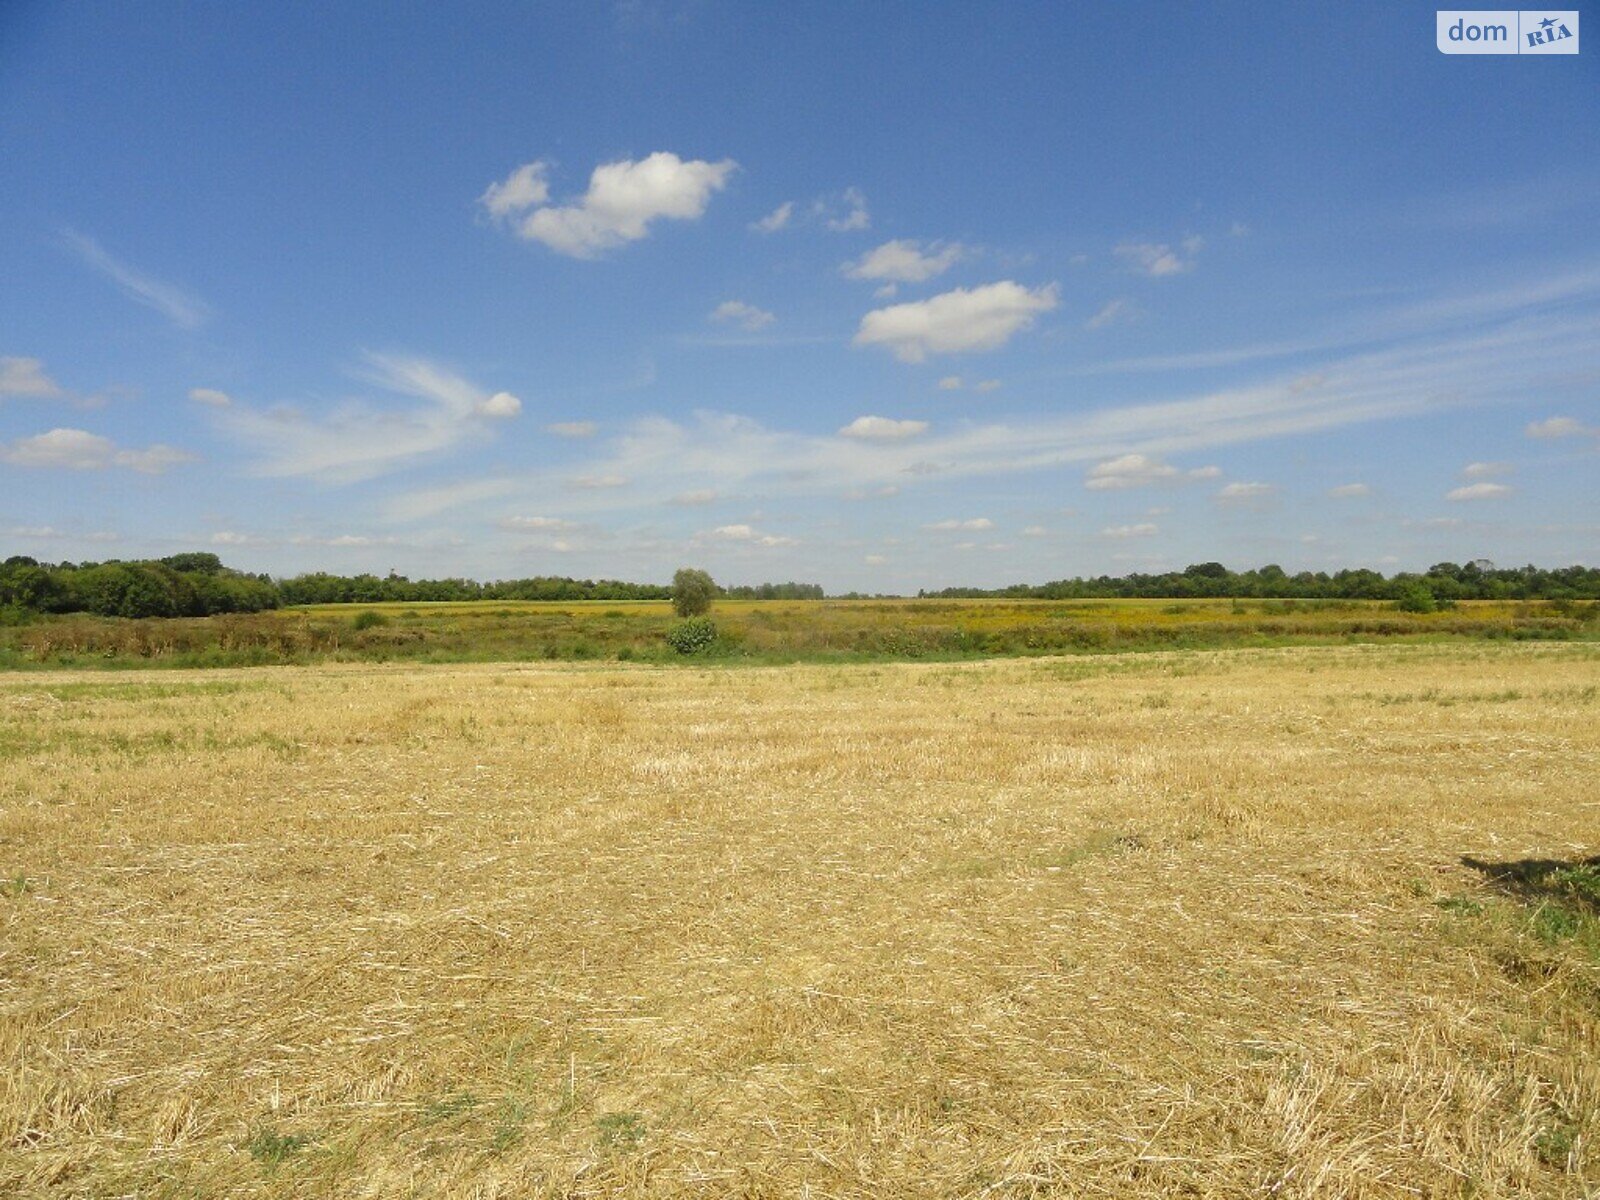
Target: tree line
[[1442, 583], [198, 584]]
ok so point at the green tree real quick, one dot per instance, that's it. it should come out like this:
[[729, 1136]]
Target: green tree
[[692, 592]]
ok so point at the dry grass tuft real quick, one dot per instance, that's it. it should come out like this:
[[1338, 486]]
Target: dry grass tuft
[[1178, 924]]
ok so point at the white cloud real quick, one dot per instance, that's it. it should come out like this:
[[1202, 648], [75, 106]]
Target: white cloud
[[855, 216], [1238, 229], [359, 439], [572, 429], [904, 261], [622, 201], [950, 383], [1479, 491], [1204, 473], [874, 560], [501, 404], [1486, 470], [1128, 471], [210, 396], [179, 307], [528, 185], [1112, 312], [883, 429], [1350, 489], [1558, 427], [1245, 491], [745, 533], [50, 533], [972, 523], [600, 482], [775, 220], [1035, 531], [695, 497], [987, 385], [956, 322], [1497, 365], [80, 450], [26, 377], [746, 316], [1157, 259], [1143, 529], [537, 524]]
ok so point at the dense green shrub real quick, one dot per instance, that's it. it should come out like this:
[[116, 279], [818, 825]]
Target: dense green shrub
[[692, 636]]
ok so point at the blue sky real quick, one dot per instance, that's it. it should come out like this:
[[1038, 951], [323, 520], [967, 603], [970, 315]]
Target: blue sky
[[878, 296]]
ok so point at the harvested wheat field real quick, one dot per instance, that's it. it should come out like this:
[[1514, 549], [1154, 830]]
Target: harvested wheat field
[[1191, 924]]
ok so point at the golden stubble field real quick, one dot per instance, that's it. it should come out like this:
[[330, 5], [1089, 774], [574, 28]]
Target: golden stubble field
[[1189, 924]]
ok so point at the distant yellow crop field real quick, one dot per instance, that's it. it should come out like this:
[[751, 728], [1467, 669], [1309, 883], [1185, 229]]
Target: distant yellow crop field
[[1127, 925]]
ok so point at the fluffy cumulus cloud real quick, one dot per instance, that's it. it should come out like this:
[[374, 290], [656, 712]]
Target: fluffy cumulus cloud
[[1140, 470], [210, 397], [528, 185], [748, 535], [1478, 491], [622, 201], [882, 429], [1485, 470], [904, 261], [1158, 259], [775, 220], [849, 216], [695, 498], [1143, 529], [501, 404], [1236, 492], [956, 322], [572, 429], [80, 450], [536, 524], [972, 523], [1558, 427], [1346, 490], [747, 316], [25, 377]]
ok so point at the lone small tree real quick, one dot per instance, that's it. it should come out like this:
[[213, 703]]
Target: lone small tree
[[692, 592]]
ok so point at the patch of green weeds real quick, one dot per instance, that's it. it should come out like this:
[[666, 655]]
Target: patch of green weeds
[[1555, 1143], [446, 1107], [271, 1148], [620, 1132]]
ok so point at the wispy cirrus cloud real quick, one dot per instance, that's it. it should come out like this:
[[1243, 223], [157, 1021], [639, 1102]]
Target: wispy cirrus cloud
[[732, 454], [361, 439], [184, 310]]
